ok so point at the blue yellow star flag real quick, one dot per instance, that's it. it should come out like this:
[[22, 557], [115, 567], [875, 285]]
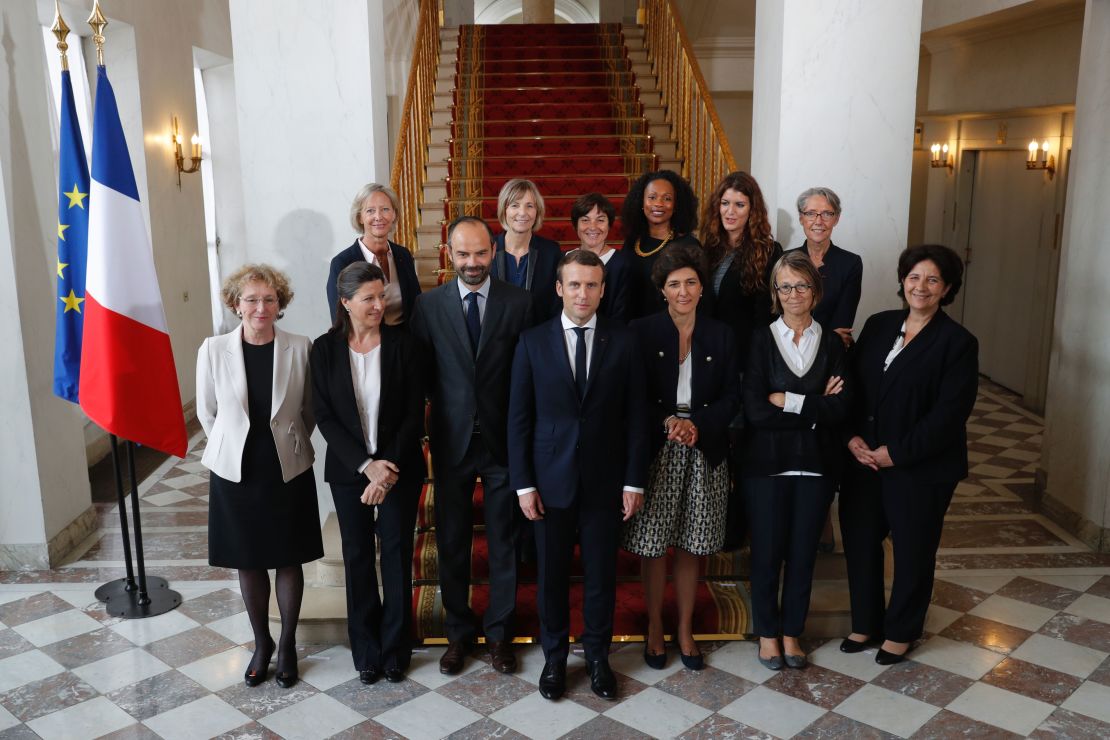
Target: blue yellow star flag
[[73, 244]]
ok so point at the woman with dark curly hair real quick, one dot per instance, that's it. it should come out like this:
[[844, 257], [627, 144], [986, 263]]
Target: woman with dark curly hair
[[736, 236], [660, 209], [916, 374]]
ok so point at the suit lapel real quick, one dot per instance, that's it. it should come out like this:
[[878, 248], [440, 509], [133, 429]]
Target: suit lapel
[[236, 365], [452, 307], [495, 310], [561, 359], [601, 345], [283, 353], [912, 351]]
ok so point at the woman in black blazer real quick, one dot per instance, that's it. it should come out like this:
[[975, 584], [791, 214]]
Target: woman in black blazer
[[794, 403], [373, 215], [521, 256], [592, 216], [369, 406], [916, 374], [690, 365], [841, 270]]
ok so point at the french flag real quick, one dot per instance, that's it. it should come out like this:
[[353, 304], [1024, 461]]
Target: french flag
[[128, 379]]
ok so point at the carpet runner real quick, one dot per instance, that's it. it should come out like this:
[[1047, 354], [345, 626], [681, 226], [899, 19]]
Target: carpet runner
[[557, 104]]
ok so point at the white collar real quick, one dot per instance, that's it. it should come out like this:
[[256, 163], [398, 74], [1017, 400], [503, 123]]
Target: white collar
[[784, 330], [464, 289], [568, 324]]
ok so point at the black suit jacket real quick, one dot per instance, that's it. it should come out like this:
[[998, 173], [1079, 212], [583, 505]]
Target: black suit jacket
[[842, 280], [919, 407], [743, 312], [404, 264], [614, 304], [544, 255], [465, 388], [561, 445], [400, 415], [714, 397]]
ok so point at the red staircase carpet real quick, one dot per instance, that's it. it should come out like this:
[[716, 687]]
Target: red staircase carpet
[[557, 104]]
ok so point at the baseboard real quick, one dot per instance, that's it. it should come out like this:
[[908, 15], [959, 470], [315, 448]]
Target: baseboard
[[47, 555], [1091, 534]]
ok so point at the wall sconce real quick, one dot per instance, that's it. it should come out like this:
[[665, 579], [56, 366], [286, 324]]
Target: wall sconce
[[1045, 162], [195, 154], [941, 157]]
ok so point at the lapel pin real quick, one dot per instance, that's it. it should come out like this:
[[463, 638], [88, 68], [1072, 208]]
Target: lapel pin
[[709, 358], [660, 354]]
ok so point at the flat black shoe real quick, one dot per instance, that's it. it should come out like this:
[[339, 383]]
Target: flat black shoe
[[394, 675], [887, 658], [553, 680], [370, 676], [848, 645], [602, 681], [795, 661], [774, 663], [693, 662], [253, 678], [653, 660]]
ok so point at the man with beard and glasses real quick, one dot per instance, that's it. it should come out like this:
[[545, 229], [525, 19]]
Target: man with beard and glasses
[[468, 328]]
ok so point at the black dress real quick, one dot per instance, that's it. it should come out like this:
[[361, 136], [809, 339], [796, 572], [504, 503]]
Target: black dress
[[644, 298], [262, 522]]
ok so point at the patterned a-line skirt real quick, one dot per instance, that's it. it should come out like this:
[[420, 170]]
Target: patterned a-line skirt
[[685, 505]]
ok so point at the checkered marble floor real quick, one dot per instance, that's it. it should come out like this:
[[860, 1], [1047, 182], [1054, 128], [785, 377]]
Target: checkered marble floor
[[1017, 644]]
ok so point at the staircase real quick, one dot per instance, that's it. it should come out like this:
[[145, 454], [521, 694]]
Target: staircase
[[575, 108]]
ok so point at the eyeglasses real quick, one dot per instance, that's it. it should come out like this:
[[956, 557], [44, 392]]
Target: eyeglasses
[[268, 301], [813, 215], [785, 290]]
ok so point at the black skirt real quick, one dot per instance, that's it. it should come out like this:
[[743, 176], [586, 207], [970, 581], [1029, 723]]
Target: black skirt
[[262, 521]]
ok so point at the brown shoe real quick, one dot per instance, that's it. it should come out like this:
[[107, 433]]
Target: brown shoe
[[451, 662], [501, 656]]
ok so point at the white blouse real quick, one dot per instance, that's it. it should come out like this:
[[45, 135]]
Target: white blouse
[[683, 393], [366, 373], [899, 345]]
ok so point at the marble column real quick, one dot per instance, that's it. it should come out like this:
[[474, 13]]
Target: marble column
[[45, 505], [312, 98], [538, 11], [833, 106], [1075, 477]]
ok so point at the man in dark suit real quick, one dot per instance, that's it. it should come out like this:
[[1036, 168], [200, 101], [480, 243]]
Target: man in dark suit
[[468, 329], [578, 461]]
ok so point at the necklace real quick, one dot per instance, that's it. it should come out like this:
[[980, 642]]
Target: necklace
[[641, 253]]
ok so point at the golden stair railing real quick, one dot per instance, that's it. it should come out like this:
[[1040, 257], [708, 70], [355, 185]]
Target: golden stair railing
[[411, 154], [702, 146]]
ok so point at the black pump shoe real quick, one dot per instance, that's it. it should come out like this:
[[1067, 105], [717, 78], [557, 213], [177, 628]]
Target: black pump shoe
[[848, 645], [884, 657], [253, 678], [658, 661]]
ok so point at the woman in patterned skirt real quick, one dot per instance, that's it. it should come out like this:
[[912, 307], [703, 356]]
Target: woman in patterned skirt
[[690, 363]]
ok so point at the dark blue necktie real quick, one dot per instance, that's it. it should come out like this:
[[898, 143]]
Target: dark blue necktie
[[580, 362], [473, 321]]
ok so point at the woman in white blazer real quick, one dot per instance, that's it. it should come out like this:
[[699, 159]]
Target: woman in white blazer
[[254, 401]]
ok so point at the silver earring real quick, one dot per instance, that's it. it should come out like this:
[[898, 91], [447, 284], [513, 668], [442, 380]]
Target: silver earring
[[239, 314], [346, 309]]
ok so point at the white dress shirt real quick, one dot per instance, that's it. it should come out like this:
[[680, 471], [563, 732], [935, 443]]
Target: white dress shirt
[[394, 304], [366, 374], [482, 293], [800, 358]]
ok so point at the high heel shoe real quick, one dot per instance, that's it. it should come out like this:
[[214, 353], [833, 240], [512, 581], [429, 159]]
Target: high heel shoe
[[284, 677], [255, 677]]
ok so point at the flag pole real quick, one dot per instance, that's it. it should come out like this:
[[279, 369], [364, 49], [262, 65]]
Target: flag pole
[[123, 598]]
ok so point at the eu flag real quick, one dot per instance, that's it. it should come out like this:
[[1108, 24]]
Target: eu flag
[[73, 242]]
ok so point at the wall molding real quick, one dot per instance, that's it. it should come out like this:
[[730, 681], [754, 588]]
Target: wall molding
[[726, 47], [48, 555]]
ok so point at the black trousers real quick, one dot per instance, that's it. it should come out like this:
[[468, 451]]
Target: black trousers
[[596, 529], [379, 625], [786, 515], [454, 515], [873, 505]]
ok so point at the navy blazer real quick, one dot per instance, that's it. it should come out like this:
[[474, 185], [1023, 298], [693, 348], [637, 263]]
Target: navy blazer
[[403, 263], [560, 445], [400, 414], [714, 395], [543, 256], [919, 407], [465, 389], [842, 281]]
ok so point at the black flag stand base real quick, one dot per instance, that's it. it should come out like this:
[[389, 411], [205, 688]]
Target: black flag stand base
[[129, 597]]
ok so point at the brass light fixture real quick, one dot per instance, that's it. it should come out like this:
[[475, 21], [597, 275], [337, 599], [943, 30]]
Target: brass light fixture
[[179, 158], [940, 156], [1043, 162]]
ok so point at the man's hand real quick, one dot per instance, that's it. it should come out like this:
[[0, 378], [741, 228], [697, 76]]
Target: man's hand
[[382, 472], [531, 505], [633, 502]]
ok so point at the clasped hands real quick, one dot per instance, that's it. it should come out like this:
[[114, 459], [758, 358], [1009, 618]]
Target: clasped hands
[[382, 474], [532, 505], [874, 459], [834, 385], [682, 431]]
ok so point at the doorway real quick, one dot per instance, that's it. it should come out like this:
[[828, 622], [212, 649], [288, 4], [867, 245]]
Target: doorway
[[1012, 263]]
